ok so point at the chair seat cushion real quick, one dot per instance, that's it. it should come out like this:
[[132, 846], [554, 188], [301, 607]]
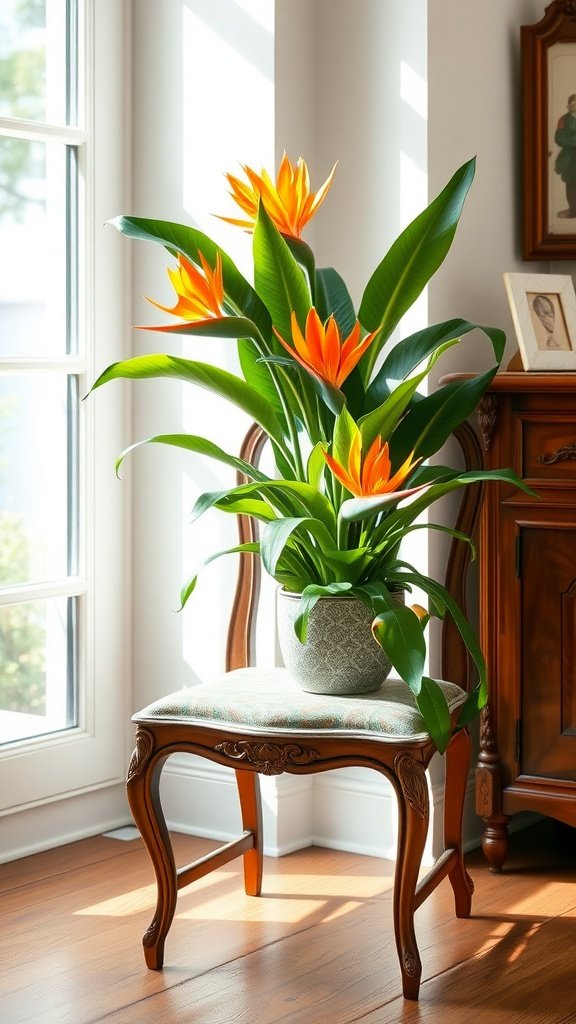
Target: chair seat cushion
[[269, 699]]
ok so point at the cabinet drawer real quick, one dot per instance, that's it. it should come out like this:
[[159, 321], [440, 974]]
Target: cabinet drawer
[[549, 449]]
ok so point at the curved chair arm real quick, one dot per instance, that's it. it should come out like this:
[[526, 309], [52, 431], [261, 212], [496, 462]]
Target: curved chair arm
[[241, 634]]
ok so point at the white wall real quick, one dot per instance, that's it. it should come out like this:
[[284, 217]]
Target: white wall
[[475, 109]]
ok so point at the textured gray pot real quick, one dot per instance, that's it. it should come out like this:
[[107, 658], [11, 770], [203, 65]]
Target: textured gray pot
[[340, 655]]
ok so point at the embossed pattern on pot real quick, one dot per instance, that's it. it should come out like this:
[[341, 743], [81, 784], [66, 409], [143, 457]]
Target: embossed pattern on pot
[[340, 655]]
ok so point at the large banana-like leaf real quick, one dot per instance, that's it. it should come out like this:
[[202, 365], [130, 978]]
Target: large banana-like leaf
[[215, 327], [200, 445], [278, 279], [399, 519], [205, 375], [382, 420], [257, 373], [191, 242], [477, 699], [354, 510], [333, 297], [433, 707], [399, 633], [291, 497], [410, 263], [429, 423], [303, 255], [407, 355]]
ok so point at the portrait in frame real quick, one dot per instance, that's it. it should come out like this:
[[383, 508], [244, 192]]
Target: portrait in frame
[[543, 308], [549, 134]]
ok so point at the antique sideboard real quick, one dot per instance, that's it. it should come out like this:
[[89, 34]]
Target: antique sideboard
[[527, 557]]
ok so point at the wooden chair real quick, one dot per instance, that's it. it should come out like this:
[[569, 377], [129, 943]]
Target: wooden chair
[[257, 721]]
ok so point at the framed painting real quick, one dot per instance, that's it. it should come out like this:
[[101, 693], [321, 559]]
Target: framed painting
[[548, 51], [543, 308]]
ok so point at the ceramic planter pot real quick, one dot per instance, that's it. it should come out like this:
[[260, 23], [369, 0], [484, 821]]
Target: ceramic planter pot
[[340, 655]]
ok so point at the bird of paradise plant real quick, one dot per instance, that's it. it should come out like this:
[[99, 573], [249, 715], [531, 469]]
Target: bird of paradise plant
[[351, 433]]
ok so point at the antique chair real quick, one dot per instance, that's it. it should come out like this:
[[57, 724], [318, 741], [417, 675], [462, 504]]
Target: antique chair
[[245, 720]]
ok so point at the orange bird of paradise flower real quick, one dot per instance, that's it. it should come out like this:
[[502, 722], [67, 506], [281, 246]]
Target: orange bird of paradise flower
[[289, 203], [321, 349], [370, 475], [200, 292]]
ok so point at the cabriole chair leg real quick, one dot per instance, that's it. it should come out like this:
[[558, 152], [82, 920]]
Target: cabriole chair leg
[[143, 796], [413, 816], [251, 809], [457, 766]]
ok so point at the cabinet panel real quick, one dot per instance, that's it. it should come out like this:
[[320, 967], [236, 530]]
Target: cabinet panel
[[548, 630], [549, 448]]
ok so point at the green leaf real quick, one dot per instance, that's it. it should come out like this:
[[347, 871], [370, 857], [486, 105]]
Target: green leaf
[[190, 586], [278, 279], [400, 636], [258, 375], [429, 424], [220, 327], [433, 707], [205, 375], [201, 446], [294, 496], [278, 533], [310, 595], [316, 465], [345, 430], [403, 517], [407, 355], [350, 565], [382, 421], [333, 297], [303, 255], [354, 510], [410, 263], [442, 596], [191, 243]]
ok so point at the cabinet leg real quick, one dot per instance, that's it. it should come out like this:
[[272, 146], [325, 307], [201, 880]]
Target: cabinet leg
[[496, 842]]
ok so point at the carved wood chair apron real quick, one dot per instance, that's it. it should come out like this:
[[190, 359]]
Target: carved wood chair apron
[[218, 722]]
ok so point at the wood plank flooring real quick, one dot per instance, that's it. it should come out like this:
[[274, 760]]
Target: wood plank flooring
[[317, 948]]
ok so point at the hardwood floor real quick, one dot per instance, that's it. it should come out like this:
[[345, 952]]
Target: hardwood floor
[[317, 948]]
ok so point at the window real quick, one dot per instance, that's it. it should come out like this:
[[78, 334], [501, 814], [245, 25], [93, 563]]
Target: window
[[61, 176], [41, 591]]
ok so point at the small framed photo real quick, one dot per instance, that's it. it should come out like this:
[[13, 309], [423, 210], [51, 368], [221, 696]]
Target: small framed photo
[[543, 309]]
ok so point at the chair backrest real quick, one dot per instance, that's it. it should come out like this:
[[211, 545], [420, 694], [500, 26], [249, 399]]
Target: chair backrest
[[456, 662]]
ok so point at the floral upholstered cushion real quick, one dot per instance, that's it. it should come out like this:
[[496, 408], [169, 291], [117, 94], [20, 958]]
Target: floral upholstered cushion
[[268, 698]]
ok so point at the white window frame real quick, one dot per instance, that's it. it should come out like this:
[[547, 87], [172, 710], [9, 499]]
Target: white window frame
[[92, 754]]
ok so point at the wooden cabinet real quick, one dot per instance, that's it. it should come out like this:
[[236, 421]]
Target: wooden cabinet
[[527, 552]]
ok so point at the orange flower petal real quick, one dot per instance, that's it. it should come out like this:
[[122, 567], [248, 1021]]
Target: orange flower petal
[[404, 471], [352, 352], [289, 202], [341, 474], [332, 351], [200, 293]]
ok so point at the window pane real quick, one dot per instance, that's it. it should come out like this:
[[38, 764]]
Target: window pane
[[38, 511], [37, 205], [37, 668], [33, 57]]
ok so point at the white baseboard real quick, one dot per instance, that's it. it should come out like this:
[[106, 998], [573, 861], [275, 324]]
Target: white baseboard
[[200, 798], [350, 809], [63, 821]]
